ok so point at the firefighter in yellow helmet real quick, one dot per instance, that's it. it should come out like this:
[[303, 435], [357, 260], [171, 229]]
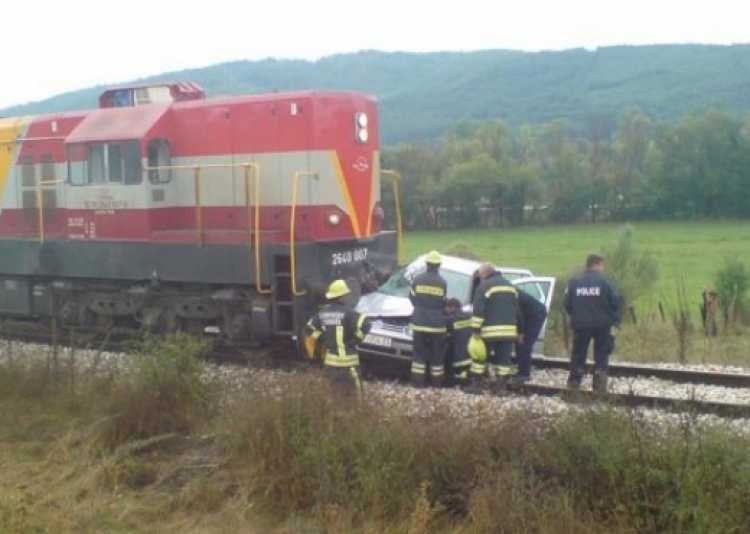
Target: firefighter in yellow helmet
[[340, 328], [496, 319], [429, 324]]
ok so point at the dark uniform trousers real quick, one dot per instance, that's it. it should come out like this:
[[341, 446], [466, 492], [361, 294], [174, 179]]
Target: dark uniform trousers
[[524, 350], [499, 352], [429, 352], [345, 382], [602, 347]]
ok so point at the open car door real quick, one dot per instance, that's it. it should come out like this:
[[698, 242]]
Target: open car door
[[541, 288]]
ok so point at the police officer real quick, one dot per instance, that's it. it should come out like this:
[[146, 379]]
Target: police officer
[[459, 334], [428, 323], [496, 318], [340, 328], [534, 314], [595, 307]]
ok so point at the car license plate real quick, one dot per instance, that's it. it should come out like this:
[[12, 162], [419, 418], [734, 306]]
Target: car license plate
[[380, 341]]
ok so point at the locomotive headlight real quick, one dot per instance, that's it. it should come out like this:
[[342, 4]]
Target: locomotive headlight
[[334, 219], [360, 127]]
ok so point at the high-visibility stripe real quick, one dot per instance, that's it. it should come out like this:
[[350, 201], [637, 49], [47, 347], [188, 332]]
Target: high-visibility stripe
[[418, 368], [429, 290], [477, 368], [341, 361], [500, 330], [460, 325], [462, 363], [429, 329], [477, 322], [500, 289], [502, 370], [340, 340], [438, 370]]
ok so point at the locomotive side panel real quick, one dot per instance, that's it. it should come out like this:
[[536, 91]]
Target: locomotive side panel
[[235, 212]]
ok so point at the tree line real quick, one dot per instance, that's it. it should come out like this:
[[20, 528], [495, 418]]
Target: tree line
[[488, 174]]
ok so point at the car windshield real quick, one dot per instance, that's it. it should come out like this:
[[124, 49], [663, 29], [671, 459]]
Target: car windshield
[[398, 285]]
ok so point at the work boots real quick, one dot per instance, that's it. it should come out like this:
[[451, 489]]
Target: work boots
[[474, 386], [599, 382], [574, 383], [418, 381]]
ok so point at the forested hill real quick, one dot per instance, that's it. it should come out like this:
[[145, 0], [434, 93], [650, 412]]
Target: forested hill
[[423, 95]]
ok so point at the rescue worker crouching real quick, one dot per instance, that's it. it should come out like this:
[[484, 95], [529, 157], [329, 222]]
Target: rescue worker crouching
[[340, 328], [428, 323], [496, 320], [534, 315], [459, 334]]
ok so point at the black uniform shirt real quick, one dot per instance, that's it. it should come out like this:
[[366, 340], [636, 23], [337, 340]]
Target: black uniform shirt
[[592, 301], [533, 311]]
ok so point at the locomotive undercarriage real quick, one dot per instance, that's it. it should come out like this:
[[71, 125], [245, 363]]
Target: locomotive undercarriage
[[236, 314]]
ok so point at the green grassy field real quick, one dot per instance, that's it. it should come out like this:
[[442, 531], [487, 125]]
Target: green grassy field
[[691, 251]]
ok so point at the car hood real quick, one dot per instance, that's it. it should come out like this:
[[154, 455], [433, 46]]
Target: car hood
[[381, 305]]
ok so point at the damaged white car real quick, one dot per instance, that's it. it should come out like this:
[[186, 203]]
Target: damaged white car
[[390, 309]]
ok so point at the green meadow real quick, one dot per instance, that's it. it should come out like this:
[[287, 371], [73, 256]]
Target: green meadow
[[687, 252]]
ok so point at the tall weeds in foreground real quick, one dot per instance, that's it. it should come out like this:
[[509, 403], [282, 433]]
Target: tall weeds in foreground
[[161, 394], [682, 322], [300, 460], [353, 469]]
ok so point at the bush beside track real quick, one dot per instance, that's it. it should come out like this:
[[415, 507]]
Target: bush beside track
[[159, 447]]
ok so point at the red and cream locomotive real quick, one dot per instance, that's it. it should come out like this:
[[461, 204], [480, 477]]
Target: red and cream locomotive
[[167, 211]]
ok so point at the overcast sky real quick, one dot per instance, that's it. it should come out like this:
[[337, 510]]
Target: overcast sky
[[54, 46]]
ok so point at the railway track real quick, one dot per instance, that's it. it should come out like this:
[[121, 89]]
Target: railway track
[[696, 400], [677, 375], [692, 405]]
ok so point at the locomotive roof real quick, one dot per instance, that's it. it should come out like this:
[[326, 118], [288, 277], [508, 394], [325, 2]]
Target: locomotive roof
[[116, 124]]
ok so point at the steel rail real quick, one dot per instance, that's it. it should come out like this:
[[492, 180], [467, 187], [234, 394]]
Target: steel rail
[[636, 370], [693, 405]]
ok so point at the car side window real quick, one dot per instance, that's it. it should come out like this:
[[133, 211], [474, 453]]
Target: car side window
[[536, 289]]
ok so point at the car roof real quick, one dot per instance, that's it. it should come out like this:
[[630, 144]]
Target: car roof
[[465, 266]]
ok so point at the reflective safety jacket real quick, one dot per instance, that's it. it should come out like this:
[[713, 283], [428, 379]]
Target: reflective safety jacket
[[341, 329], [592, 301], [427, 295], [496, 312], [459, 329]]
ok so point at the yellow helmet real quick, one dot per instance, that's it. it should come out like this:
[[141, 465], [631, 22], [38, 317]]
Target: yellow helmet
[[433, 257], [338, 288], [477, 349]]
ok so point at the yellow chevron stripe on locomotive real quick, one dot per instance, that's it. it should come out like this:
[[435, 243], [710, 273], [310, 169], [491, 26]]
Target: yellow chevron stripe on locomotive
[[10, 131]]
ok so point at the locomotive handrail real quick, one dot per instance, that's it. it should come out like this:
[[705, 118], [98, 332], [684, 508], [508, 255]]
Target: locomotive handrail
[[249, 174], [396, 178], [40, 203], [253, 170], [292, 248]]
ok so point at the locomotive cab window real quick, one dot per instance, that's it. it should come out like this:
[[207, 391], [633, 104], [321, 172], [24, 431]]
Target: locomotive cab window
[[102, 163], [159, 160]]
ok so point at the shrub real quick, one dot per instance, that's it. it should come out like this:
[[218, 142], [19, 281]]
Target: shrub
[[732, 284], [633, 271], [163, 393]]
